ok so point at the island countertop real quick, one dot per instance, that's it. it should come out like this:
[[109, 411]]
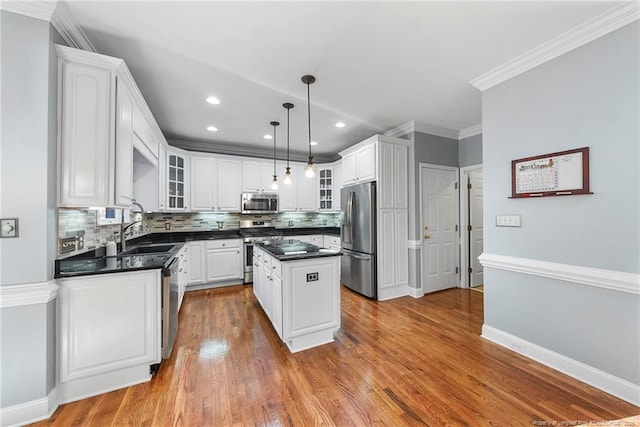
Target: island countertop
[[293, 250]]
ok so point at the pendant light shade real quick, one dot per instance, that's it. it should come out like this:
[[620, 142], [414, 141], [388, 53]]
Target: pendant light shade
[[310, 170], [287, 175], [274, 183]]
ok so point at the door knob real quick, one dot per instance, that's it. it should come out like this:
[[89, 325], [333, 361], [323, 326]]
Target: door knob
[[427, 237]]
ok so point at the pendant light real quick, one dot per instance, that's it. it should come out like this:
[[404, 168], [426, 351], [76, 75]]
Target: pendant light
[[287, 175], [274, 183], [310, 170]]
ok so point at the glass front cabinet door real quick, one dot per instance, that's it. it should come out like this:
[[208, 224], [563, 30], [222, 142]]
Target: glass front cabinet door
[[177, 172], [326, 189]]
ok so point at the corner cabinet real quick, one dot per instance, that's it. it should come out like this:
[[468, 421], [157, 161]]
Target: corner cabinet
[[109, 332], [95, 140]]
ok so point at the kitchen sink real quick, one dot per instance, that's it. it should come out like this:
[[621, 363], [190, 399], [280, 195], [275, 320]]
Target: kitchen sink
[[152, 249]]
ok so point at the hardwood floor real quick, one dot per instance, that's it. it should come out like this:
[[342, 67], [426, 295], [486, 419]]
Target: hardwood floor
[[401, 362]]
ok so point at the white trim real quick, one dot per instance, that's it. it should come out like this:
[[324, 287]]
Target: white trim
[[470, 131], [416, 292], [464, 237], [401, 130], [29, 412], [415, 245], [62, 20], [414, 126], [42, 10], [435, 130], [604, 381], [27, 294], [607, 279], [584, 33]]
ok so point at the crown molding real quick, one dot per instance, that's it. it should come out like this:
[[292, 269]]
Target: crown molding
[[470, 131], [62, 20], [597, 27], [401, 130], [245, 151], [42, 10], [414, 126]]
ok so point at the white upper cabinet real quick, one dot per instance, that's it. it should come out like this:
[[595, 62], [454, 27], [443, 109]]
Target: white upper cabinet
[[100, 124], [257, 176], [177, 180], [337, 185], [359, 163], [215, 184], [124, 146], [162, 178], [86, 148], [325, 189], [301, 194]]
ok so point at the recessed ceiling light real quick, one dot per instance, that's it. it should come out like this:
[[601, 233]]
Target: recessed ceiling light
[[314, 143], [212, 129], [213, 100], [267, 137], [340, 125]]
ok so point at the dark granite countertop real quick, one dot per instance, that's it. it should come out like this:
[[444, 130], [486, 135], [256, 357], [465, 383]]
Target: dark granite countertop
[[334, 231], [293, 250], [94, 262]]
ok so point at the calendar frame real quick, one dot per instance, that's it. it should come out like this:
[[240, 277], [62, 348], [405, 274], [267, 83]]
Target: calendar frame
[[581, 168]]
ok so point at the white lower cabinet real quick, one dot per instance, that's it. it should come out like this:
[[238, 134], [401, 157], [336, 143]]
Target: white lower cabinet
[[331, 242], [301, 298], [183, 273], [314, 239], [109, 332], [215, 261]]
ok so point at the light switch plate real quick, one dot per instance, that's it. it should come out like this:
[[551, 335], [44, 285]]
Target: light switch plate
[[508, 221], [8, 227]]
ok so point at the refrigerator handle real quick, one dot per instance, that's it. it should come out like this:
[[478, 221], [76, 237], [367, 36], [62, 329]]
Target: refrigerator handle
[[352, 200], [356, 255]]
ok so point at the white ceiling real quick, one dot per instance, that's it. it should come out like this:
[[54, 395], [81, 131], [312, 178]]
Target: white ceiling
[[378, 64]]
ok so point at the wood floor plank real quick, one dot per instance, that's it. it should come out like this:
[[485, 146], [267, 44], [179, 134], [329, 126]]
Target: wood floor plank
[[414, 362]]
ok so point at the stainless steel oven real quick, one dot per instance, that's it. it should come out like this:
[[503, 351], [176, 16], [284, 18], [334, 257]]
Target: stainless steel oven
[[254, 231], [259, 203]]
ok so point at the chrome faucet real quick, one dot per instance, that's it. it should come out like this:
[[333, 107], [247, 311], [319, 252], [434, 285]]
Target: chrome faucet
[[123, 230]]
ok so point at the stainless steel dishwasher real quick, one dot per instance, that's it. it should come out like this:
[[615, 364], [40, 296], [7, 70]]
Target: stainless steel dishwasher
[[169, 306]]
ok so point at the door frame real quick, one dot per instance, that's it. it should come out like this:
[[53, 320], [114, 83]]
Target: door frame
[[457, 219], [464, 219]]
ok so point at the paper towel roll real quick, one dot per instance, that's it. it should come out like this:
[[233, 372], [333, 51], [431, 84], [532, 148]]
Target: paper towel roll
[[111, 248]]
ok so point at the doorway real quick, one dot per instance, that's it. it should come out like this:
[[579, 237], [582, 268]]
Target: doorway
[[472, 243], [439, 222]]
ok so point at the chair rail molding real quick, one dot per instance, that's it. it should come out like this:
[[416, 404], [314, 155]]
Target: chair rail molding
[[608, 279], [27, 294]]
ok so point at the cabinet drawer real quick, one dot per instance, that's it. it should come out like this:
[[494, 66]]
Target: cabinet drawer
[[266, 261], [334, 241], [276, 267], [224, 244]]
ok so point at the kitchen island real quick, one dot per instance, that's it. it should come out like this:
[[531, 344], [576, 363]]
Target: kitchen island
[[298, 286]]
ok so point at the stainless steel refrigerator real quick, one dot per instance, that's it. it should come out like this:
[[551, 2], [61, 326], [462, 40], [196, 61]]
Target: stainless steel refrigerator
[[358, 268]]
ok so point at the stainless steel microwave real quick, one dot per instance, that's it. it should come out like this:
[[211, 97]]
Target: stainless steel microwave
[[259, 203]]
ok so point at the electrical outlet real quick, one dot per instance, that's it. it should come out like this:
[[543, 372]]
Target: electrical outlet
[[517, 346], [9, 227], [312, 277], [167, 226]]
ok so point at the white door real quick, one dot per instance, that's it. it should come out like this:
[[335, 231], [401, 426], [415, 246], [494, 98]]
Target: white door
[[475, 229], [439, 211]]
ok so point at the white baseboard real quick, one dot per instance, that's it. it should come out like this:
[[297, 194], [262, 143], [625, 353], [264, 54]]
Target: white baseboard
[[415, 292], [29, 412], [606, 382]]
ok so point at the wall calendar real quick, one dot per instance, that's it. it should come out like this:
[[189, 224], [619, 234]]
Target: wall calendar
[[563, 173]]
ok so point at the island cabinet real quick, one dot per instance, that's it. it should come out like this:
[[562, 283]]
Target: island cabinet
[[300, 296]]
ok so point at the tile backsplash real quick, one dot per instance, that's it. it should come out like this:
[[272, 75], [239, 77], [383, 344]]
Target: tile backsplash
[[74, 221]]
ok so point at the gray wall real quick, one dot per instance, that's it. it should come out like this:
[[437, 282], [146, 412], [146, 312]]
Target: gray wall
[[587, 97], [28, 192], [470, 151]]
